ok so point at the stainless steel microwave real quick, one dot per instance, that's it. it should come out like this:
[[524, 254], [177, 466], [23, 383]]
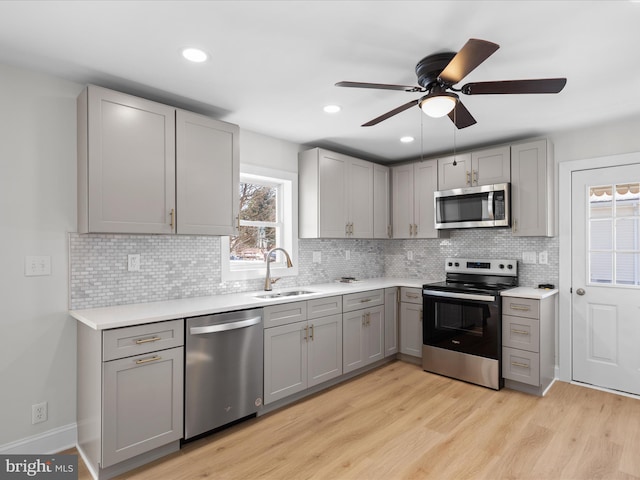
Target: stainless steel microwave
[[471, 207]]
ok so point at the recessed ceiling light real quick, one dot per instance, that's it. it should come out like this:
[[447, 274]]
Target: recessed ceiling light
[[332, 108], [407, 139], [195, 55]]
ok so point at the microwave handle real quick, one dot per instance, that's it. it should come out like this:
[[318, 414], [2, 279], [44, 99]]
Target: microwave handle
[[490, 206]]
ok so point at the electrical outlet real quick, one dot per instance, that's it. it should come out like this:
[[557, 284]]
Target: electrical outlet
[[133, 263], [410, 255], [347, 255], [39, 413], [317, 257], [543, 258]]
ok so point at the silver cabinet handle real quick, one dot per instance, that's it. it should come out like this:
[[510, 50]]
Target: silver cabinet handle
[[311, 336], [365, 300], [474, 177], [520, 332], [412, 295], [519, 364], [522, 308], [140, 341], [147, 360], [580, 291], [468, 178], [223, 327]]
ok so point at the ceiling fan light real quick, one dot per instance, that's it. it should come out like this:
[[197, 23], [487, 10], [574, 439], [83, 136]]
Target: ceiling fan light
[[438, 105]]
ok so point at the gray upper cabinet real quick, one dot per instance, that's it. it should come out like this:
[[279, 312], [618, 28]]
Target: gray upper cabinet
[[532, 189], [381, 202], [413, 186], [139, 170], [126, 163], [335, 195], [207, 180], [482, 167]]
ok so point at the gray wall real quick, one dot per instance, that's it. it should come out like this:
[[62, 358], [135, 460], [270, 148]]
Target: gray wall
[[38, 198]]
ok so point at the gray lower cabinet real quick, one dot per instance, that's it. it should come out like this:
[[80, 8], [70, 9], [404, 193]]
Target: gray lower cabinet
[[390, 321], [411, 321], [363, 329], [302, 346], [528, 343], [130, 395]]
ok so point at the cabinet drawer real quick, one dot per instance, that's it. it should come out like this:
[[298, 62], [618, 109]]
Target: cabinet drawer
[[323, 307], [356, 301], [284, 314], [521, 307], [411, 295], [141, 339], [521, 366], [521, 332]]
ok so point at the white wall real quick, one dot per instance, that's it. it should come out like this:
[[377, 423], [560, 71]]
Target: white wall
[[37, 198], [257, 149]]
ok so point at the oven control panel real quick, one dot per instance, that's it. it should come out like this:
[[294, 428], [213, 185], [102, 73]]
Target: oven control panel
[[482, 266]]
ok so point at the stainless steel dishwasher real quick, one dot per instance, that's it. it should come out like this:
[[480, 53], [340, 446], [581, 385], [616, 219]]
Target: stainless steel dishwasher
[[223, 369]]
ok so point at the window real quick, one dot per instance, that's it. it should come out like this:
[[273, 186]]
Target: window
[[268, 219], [614, 234]]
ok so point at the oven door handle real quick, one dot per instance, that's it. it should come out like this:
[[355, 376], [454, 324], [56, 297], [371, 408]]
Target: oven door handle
[[462, 296]]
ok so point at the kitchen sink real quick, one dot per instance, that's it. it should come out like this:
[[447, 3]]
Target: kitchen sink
[[284, 294]]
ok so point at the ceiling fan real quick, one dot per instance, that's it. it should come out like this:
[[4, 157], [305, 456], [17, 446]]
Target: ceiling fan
[[437, 75]]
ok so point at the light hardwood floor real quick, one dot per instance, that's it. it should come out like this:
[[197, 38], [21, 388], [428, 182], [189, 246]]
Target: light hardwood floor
[[399, 422]]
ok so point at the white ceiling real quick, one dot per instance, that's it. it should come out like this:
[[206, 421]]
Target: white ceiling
[[274, 64]]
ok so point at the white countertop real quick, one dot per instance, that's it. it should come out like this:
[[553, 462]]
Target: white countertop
[[529, 292], [141, 313]]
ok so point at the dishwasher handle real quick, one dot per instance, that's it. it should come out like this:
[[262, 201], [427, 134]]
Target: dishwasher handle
[[223, 327]]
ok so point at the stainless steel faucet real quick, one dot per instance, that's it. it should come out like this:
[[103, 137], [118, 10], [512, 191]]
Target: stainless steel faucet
[[268, 281]]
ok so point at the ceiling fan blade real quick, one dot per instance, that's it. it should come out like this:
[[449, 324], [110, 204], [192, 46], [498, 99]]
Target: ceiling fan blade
[[473, 53], [541, 85], [393, 112], [460, 116], [382, 86]]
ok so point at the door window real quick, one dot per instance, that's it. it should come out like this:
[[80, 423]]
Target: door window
[[614, 234]]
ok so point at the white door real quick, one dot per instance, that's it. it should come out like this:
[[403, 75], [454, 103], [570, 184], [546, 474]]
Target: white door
[[606, 277]]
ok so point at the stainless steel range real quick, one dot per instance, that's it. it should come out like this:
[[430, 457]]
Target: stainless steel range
[[462, 326]]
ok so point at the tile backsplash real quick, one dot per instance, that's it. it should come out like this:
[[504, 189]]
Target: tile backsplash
[[179, 266]]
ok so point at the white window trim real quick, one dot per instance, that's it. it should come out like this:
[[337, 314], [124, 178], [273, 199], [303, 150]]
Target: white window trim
[[290, 239]]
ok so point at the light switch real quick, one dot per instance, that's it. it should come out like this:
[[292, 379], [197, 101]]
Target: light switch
[[35, 266]]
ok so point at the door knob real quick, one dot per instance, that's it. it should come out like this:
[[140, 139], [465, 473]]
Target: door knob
[[580, 291]]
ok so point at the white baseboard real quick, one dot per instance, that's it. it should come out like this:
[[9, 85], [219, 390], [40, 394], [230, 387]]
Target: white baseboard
[[51, 441]]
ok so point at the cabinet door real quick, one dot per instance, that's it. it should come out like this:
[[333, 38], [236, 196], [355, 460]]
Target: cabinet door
[[390, 321], [454, 176], [374, 334], [353, 340], [332, 204], [285, 361], [324, 349], [130, 163], [425, 184], [532, 190], [143, 399], [360, 198], [207, 164], [381, 206], [491, 166], [402, 201], [411, 329]]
